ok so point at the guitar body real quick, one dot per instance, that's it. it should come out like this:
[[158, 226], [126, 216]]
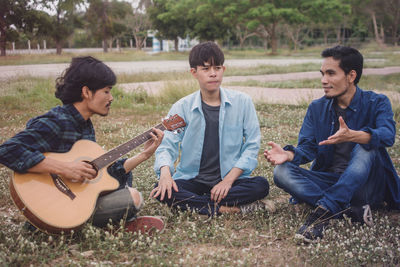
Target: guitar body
[[50, 209]]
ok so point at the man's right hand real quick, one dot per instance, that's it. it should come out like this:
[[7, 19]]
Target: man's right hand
[[76, 171], [166, 184], [276, 155]]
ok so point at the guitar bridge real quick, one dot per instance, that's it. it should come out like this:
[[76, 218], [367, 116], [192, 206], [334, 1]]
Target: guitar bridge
[[58, 182]]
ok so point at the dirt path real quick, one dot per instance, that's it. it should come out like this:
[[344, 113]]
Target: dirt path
[[128, 67], [54, 70], [267, 95], [270, 95]]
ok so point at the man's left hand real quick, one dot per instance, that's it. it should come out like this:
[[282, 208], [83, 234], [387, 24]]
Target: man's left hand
[[344, 134], [220, 190], [151, 145]]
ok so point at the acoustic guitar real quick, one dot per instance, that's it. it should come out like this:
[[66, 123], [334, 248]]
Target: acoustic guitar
[[56, 205]]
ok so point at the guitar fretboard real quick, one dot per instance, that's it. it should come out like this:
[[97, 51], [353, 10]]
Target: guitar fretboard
[[123, 149]]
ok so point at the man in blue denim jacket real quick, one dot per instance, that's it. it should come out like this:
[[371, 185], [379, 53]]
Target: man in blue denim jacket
[[219, 146], [345, 133]]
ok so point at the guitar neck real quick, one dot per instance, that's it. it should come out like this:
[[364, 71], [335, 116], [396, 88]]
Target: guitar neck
[[123, 149]]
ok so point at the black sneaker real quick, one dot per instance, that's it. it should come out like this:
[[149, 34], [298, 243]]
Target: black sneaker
[[315, 224], [30, 227], [361, 214]]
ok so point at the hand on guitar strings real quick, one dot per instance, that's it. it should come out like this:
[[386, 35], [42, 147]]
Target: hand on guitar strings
[[151, 145], [78, 171]]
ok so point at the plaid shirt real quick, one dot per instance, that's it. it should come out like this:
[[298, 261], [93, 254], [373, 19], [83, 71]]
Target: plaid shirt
[[55, 131]]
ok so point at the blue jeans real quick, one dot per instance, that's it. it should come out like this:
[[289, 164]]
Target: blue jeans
[[355, 186], [196, 196]]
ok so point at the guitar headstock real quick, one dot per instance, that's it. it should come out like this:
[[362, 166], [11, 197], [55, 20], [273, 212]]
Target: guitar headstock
[[174, 123]]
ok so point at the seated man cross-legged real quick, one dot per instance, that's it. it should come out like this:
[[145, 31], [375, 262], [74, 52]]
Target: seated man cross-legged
[[85, 90], [345, 133], [218, 149]]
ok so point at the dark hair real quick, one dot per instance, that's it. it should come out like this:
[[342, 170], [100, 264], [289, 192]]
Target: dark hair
[[349, 59], [206, 52], [83, 71]]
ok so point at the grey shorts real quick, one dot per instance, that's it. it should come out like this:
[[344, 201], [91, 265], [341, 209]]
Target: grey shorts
[[114, 206]]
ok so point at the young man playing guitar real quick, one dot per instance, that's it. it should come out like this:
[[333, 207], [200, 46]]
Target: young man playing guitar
[[85, 90], [219, 146]]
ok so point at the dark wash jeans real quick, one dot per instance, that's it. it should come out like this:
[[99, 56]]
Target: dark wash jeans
[[332, 190], [196, 196]]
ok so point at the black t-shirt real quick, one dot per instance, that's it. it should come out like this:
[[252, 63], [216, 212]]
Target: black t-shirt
[[210, 172], [341, 156]]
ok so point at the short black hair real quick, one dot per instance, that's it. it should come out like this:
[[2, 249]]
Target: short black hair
[[349, 59], [206, 52], [83, 71]]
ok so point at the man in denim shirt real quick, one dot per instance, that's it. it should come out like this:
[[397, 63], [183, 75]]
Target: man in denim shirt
[[345, 133], [218, 149], [85, 90]]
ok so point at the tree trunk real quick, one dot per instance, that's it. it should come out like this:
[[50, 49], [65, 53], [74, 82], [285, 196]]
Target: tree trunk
[[144, 42], [105, 47], [265, 44], [377, 37], [382, 33], [138, 42], [58, 47], [3, 43], [176, 43], [274, 41], [338, 37], [241, 42]]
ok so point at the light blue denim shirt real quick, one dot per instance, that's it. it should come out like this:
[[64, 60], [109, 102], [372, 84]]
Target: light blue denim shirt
[[239, 136]]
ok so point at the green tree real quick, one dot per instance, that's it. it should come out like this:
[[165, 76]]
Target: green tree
[[61, 25], [138, 23], [392, 11], [296, 26], [15, 16], [206, 21], [327, 15], [105, 19], [236, 14], [169, 18], [265, 16]]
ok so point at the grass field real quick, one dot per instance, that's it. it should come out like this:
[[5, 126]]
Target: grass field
[[259, 239]]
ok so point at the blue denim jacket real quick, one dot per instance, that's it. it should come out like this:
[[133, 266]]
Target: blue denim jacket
[[239, 136], [368, 112]]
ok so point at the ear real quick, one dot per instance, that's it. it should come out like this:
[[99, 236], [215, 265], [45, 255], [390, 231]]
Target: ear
[[193, 71], [86, 93], [351, 76]]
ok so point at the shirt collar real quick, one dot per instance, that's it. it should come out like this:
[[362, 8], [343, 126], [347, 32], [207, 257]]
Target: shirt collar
[[354, 102], [223, 95], [75, 114]]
